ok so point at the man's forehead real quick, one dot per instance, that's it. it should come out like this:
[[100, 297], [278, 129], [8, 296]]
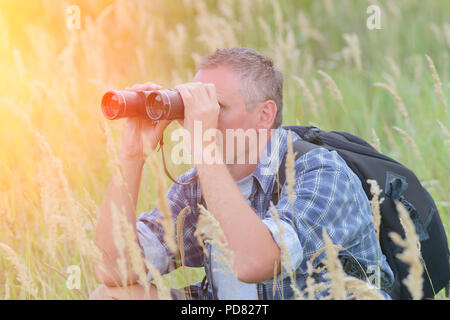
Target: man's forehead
[[227, 82]]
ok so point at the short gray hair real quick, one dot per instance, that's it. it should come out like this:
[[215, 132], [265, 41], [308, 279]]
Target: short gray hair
[[260, 79]]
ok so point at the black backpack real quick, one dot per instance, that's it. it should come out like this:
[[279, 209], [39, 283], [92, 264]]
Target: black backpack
[[398, 183]]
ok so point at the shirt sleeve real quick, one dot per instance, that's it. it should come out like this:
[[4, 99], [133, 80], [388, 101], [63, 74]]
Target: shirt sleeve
[[286, 238], [151, 233], [322, 200]]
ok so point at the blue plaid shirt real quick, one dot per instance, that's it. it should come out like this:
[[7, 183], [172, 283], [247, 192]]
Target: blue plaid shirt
[[328, 196]]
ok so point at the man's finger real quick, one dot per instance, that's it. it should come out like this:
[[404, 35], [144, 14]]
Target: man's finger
[[198, 90], [153, 85], [185, 94], [211, 89]]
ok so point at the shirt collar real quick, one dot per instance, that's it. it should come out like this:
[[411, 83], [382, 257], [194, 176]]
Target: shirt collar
[[271, 158]]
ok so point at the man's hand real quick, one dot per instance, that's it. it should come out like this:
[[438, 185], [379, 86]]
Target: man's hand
[[200, 105], [137, 128], [123, 196]]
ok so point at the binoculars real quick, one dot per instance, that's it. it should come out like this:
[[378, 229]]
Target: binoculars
[[155, 105]]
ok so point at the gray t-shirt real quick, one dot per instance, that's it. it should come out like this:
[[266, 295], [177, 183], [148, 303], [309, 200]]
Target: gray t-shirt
[[225, 283]]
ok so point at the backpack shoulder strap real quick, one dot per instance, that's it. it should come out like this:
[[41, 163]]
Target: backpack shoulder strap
[[300, 148]]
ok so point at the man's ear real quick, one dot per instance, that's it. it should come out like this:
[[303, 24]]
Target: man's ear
[[267, 112]]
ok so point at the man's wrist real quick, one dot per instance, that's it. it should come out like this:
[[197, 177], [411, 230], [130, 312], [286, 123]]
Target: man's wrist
[[131, 160], [209, 170]]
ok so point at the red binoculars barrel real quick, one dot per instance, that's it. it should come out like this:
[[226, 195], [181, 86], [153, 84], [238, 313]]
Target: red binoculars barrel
[[155, 105]]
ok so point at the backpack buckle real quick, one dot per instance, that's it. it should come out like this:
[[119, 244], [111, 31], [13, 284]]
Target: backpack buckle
[[313, 136]]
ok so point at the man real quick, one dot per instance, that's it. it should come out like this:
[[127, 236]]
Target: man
[[239, 88]]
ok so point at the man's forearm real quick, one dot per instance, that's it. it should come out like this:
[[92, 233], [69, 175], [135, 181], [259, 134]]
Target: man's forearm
[[122, 194], [252, 243]]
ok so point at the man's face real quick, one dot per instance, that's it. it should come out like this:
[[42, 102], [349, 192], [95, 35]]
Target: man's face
[[233, 113]]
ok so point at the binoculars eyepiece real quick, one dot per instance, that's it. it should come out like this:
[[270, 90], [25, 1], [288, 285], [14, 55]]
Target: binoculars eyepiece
[[155, 105]]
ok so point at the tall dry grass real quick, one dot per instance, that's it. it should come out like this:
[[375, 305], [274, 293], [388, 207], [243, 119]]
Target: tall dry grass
[[411, 253]]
